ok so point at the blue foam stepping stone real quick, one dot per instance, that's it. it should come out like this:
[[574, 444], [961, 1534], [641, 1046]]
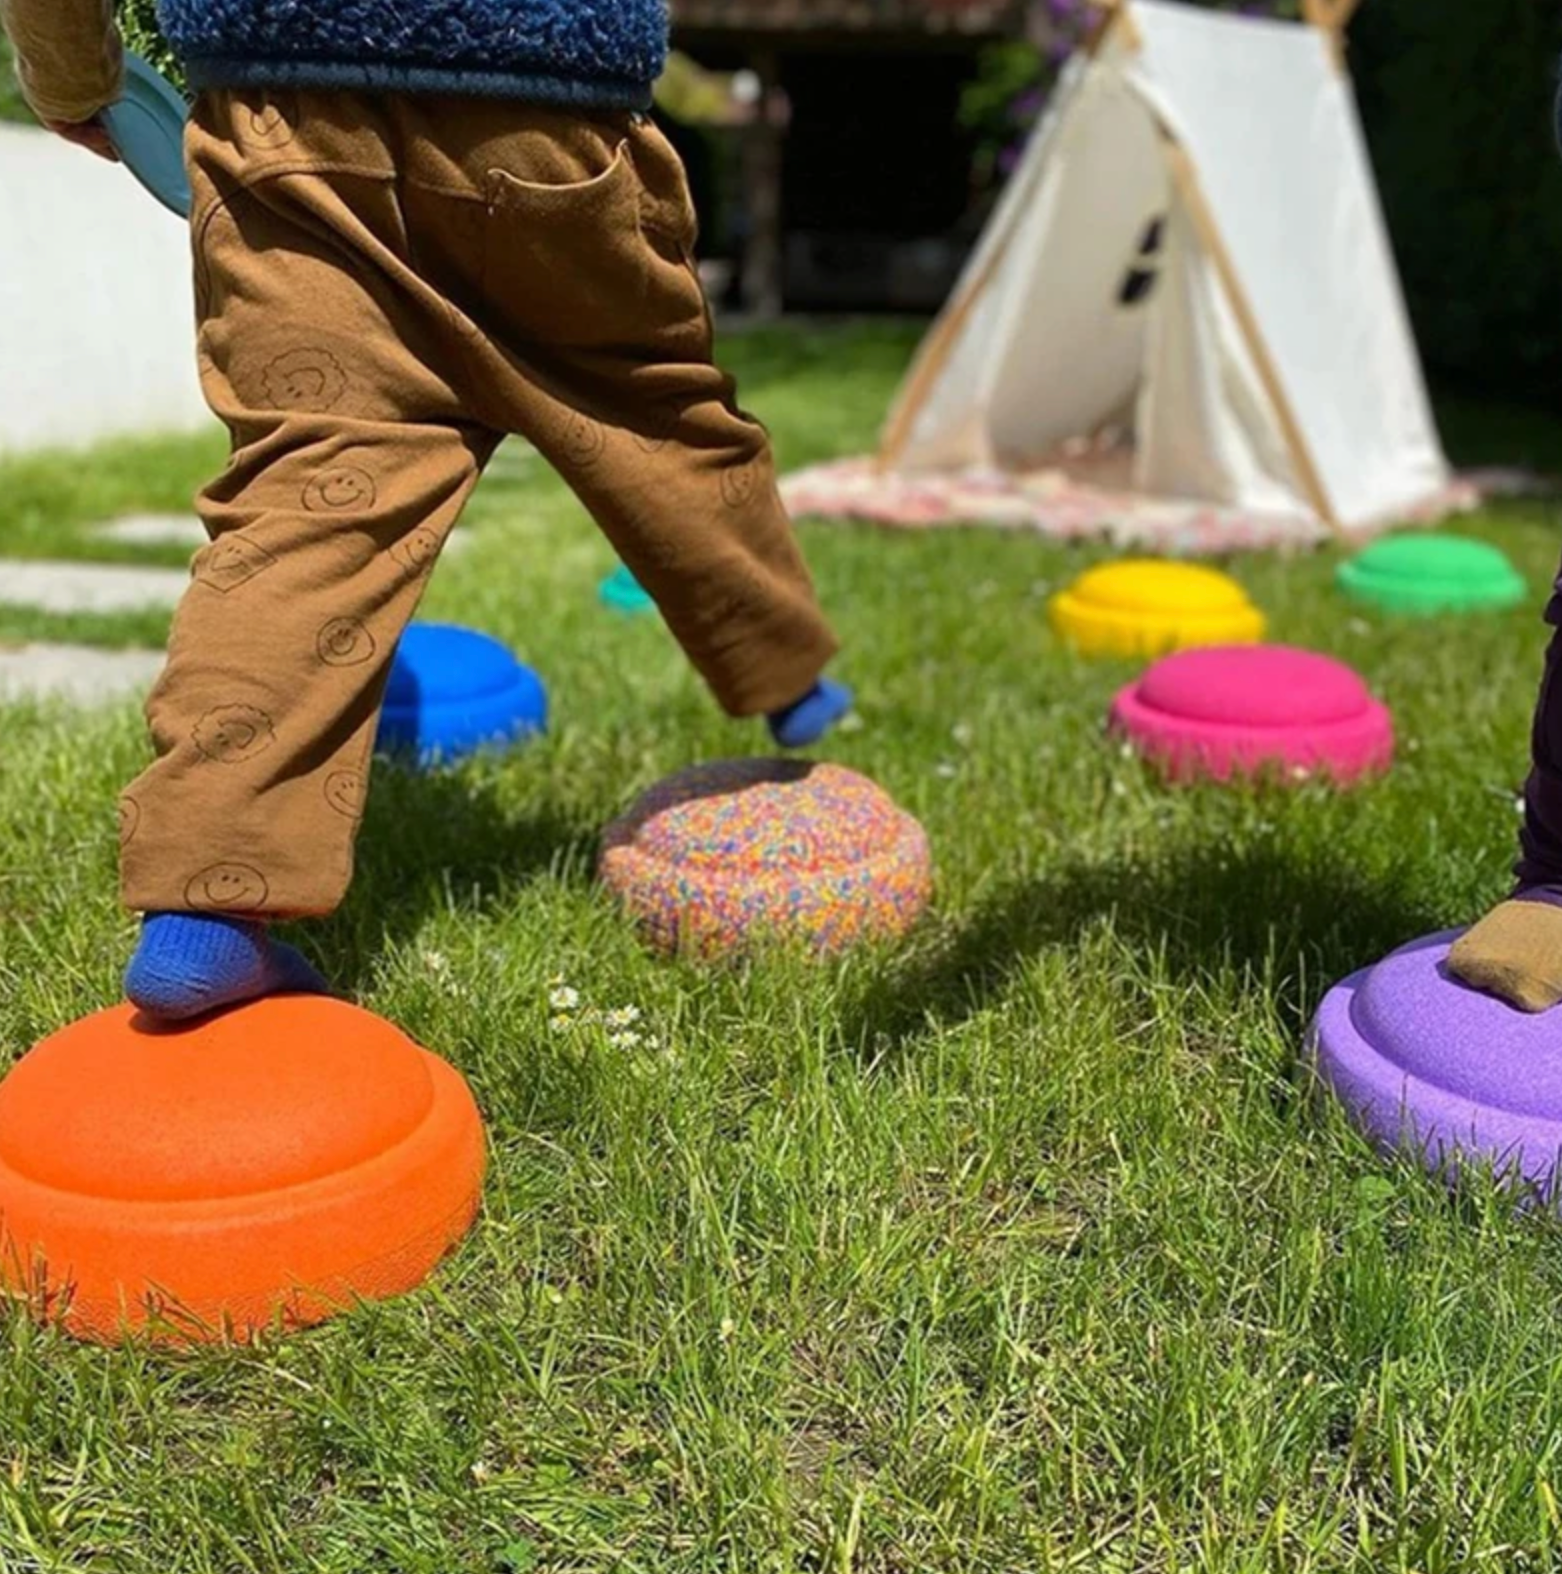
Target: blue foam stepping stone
[[146, 126], [624, 593], [453, 692]]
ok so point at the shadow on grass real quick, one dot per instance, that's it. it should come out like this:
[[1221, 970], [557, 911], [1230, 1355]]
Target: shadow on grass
[[1260, 914], [1300, 916], [435, 840]]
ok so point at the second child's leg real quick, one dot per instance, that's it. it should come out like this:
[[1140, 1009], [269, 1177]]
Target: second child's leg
[[1516, 950]]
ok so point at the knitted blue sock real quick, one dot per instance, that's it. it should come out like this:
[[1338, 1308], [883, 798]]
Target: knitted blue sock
[[188, 964], [810, 718]]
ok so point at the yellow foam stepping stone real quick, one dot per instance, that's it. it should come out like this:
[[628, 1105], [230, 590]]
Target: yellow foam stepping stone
[[1147, 607]]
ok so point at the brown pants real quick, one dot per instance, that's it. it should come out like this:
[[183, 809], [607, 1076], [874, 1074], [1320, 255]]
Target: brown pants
[[386, 286]]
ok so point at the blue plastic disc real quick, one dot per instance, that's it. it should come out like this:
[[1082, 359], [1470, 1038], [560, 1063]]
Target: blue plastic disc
[[453, 692], [624, 593], [146, 126]]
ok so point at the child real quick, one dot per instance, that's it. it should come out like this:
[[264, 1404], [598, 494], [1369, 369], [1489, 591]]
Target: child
[[417, 227], [1516, 950]]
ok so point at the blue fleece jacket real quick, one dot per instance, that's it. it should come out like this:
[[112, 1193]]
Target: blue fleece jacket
[[591, 53]]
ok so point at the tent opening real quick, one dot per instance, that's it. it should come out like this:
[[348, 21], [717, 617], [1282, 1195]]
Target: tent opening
[[1139, 281]]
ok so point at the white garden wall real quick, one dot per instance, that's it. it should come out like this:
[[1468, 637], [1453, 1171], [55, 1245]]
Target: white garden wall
[[96, 304]]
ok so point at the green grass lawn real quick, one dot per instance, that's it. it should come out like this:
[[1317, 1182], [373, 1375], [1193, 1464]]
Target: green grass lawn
[[1016, 1248]]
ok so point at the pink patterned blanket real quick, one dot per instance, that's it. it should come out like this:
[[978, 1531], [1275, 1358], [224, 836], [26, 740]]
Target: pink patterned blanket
[[1056, 504]]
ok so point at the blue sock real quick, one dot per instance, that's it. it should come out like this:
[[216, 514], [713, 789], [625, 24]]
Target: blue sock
[[808, 719], [188, 964]]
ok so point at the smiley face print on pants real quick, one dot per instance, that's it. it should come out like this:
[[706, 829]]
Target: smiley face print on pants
[[227, 888], [230, 562], [308, 378], [584, 440], [345, 642], [740, 486], [343, 489], [232, 734], [416, 551], [345, 792]]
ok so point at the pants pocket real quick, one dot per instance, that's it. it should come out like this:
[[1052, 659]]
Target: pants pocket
[[666, 203], [567, 264]]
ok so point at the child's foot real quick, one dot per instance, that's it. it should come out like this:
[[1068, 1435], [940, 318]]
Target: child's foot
[[188, 964], [811, 717], [1515, 953]]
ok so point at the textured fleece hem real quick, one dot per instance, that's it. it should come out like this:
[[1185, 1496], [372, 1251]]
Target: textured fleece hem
[[215, 71]]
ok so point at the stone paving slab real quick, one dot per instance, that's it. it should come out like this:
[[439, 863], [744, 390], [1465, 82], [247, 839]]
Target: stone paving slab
[[154, 530], [89, 587], [185, 530], [77, 673]]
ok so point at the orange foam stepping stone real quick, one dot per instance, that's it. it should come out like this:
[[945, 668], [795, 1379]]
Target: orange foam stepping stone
[[270, 1164]]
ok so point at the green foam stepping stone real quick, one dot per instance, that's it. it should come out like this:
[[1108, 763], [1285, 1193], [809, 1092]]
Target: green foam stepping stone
[[1427, 573]]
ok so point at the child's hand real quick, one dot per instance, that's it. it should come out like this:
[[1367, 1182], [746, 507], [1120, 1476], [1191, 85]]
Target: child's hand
[[86, 134]]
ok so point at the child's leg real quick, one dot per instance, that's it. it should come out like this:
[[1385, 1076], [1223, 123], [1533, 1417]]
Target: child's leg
[[265, 716], [691, 507], [350, 463], [596, 344], [1516, 950]]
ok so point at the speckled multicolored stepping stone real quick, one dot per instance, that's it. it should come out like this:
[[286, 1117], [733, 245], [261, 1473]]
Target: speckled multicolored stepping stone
[[722, 855]]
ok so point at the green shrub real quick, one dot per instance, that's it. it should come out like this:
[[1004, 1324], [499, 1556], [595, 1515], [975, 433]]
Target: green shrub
[[138, 22], [11, 105], [1458, 101]]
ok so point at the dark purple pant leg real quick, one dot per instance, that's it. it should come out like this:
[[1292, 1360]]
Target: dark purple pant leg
[[1539, 869], [1540, 863]]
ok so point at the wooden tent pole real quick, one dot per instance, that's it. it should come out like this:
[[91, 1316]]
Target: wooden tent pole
[[1187, 181], [1331, 17], [945, 334], [934, 356], [1112, 15]]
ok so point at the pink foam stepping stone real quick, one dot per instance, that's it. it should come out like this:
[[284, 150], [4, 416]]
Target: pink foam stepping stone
[[1423, 1062], [1244, 710]]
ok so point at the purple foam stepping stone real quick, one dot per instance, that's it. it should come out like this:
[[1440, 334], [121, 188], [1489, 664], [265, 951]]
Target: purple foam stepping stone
[[1420, 1060]]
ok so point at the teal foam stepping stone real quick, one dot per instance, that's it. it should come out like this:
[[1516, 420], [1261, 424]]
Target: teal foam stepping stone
[[624, 593], [1427, 573]]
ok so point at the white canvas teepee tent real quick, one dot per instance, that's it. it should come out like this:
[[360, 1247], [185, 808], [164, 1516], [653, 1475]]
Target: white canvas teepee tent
[[1193, 252]]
